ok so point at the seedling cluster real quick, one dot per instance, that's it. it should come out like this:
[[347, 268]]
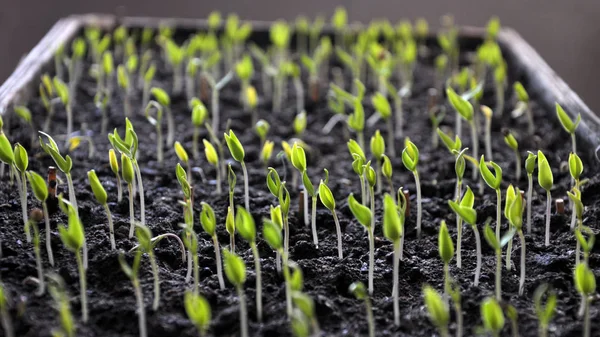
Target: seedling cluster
[[382, 62]]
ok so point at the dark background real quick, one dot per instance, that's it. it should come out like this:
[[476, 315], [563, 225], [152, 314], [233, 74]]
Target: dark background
[[565, 32]]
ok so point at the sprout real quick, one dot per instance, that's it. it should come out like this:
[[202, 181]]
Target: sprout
[[437, 114], [500, 85], [164, 100], [235, 269], [393, 226], [73, 238], [545, 312], [386, 169], [364, 216], [266, 152], [512, 314], [575, 197], [244, 71], [190, 241], [279, 190], [465, 211], [272, 234], [244, 223], [209, 224], [568, 124], [124, 83], [128, 176], [292, 70], [437, 308], [157, 123], [381, 62], [464, 109], [359, 158], [46, 92], [523, 105], [510, 140], [59, 58], [585, 283], [529, 167], [78, 49], [586, 245], [328, 201], [382, 106], [237, 152], [546, 181], [133, 273], [102, 198], [497, 246], [183, 156], [441, 70], [339, 21], [62, 301], [299, 123], [35, 217], [199, 114], [492, 316], [65, 164], [378, 150], [493, 180], [514, 211], [175, 56], [305, 306], [101, 101], [359, 291], [446, 250], [17, 161], [410, 159], [198, 310], [213, 158], [407, 52], [25, 114], [280, 37], [314, 65], [147, 78], [114, 166]]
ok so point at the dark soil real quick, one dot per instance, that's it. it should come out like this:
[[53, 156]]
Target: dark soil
[[112, 302]]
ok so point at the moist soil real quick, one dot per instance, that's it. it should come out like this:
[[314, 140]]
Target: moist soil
[[112, 305]]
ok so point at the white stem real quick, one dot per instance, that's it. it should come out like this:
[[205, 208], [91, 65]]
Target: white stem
[[188, 275], [219, 263], [299, 94], [522, 279], [499, 275], [371, 258], [498, 213], [131, 211], [419, 206], [338, 230], [529, 196], [488, 138], [458, 125], [509, 254], [306, 218], [459, 225], [370, 318], [141, 309], [314, 221], [258, 281], [518, 165], [246, 196], [111, 229], [48, 240], [243, 312], [478, 247], [23, 197], [141, 190], [399, 114], [548, 202], [83, 287], [395, 282], [475, 142], [119, 189], [154, 266], [586, 319]]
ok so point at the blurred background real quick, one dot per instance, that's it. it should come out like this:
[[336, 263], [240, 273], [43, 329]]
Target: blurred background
[[564, 32]]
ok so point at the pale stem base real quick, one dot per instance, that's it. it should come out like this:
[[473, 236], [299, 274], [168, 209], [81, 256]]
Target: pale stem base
[[419, 206], [131, 211], [395, 282], [478, 247], [499, 275], [155, 276], [314, 221], [258, 281], [498, 213], [141, 309], [219, 263], [83, 287], [141, 190], [243, 312], [48, 240], [548, 203], [522, 278], [246, 196], [111, 229], [370, 318], [371, 258], [529, 196], [338, 230], [459, 226]]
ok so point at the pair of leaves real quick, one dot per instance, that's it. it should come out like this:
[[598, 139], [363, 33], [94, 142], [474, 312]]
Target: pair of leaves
[[569, 125], [181, 175], [490, 236], [377, 145], [585, 281], [452, 145], [97, 188], [437, 307], [393, 219], [513, 210], [465, 209], [460, 104], [492, 315], [492, 179], [410, 156], [198, 311], [545, 177], [445, 244], [245, 225], [272, 234], [575, 166], [211, 153], [575, 196], [235, 146], [235, 268], [65, 164], [208, 220], [73, 235], [361, 212], [382, 105]]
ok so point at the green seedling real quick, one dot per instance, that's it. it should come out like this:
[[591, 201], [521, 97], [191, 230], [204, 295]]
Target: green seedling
[[406, 50], [585, 283], [280, 191], [465, 211], [17, 160], [199, 114], [327, 199], [213, 158], [500, 85], [393, 225], [529, 168], [65, 164], [267, 69], [209, 224], [148, 76], [546, 181], [511, 141], [101, 101], [106, 76], [156, 121], [280, 35], [515, 218], [175, 58], [382, 64], [59, 58], [298, 159], [397, 96], [586, 244], [237, 153], [235, 269], [126, 86], [464, 109], [544, 312], [244, 223], [299, 123], [339, 21], [568, 124], [128, 176], [410, 159], [197, 309], [356, 121], [40, 191], [302, 28], [523, 106], [446, 250], [438, 311], [119, 38], [497, 245], [492, 317], [46, 92], [575, 169], [315, 63], [190, 241], [494, 181], [34, 218], [78, 51], [267, 152], [437, 113], [575, 196], [272, 234], [183, 156], [364, 216], [25, 114], [387, 171], [488, 114], [452, 288], [56, 288], [305, 305], [277, 219], [102, 198], [132, 273], [163, 99], [358, 290], [441, 71], [291, 69], [262, 128], [359, 159], [244, 71], [382, 106], [73, 238]]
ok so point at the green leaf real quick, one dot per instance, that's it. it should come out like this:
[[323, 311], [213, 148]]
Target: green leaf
[[197, 309], [231, 179], [392, 220], [445, 244], [38, 186], [276, 216], [72, 236], [6, 151], [304, 303], [339, 20], [460, 164], [308, 184], [23, 112], [161, 96], [569, 125], [244, 68], [211, 153], [545, 177], [244, 223], [585, 281], [199, 114], [230, 221], [272, 234], [21, 158], [356, 121], [510, 140], [575, 197], [108, 65], [359, 290], [235, 147], [437, 307], [493, 27], [358, 164], [361, 213], [575, 165], [181, 152], [493, 180], [144, 236], [461, 105], [280, 34], [530, 163], [299, 123], [544, 312], [452, 145], [326, 196], [262, 128], [370, 174], [149, 75], [381, 105], [181, 175], [298, 158], [515, 211], [386, 167], [355, 148], [235, 268], [492, 315], [507, 237], [78, 48], [207, 219], [410, 156], [97, 188], [377, 145], [128, 172], [64, 163], [521, 92], [490, 237], [122, 77], [273, 182]]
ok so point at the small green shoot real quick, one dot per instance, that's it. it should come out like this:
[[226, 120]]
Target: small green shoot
[[544, 312], [492, 316], [437, 308], [546, 181], [132, 273], [585, 283], [164, 100], [237, 152], [494, 181], [568, 124], [197, 309], [34, 218], [364, 216], [497, 245], [199, 114], [523, 106], [213, 159], [393, 226], [465, 211], [410, 159], [235, 269], [102, 198], [327, 199], [511, 141], [244, 223], [358, 290]]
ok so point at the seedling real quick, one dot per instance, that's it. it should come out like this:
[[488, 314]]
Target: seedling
[[102, 198], [267, 69], [441, 71], [575, 169], [106, 74], [359, 160], [437, 308], [546, 181], [364, 216], [386, 169], [237, 152], [393, 226], [65, 164], [575, 196], [74, 239], [244, 71], [328, 201], [568, 124], [382, 106], [266, 152], [299, 123], [407, 53], [586, 245], [493, 180], [197, 309], [25, 114], [272, 234], [313, 65], [61, 299], [529, 167], [585, 282], [382, 64], [523, 106], [280, 191], [209, 224], [244, 223], [162, 103], [133, 273], [147, 78], [512, 315], [446, 250], [545, 312], [356, 121], [464, 109], [497, 246], [359, 291], [35, 217], [511, 141], [410, 159], [280, 36], [500, 85], [78, 50], [465, 211], [235, 269], [183, 156], [199, 114], [397, 96], [175, 56], [128, 176], [46, 92], [213, 158], [492, 317], [124, 83], [515, 218], [292, 70], [17, 161]]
